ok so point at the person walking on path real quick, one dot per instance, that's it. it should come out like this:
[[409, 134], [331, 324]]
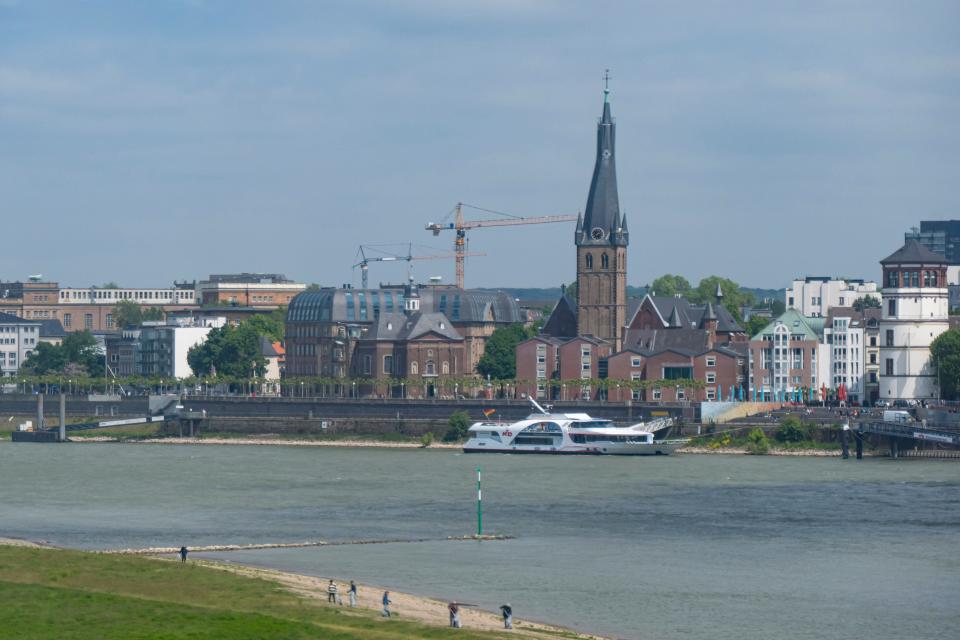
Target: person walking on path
[[386, 604], [353, 593], [183, 554], [454, 614], [332, 592], [507, 612]]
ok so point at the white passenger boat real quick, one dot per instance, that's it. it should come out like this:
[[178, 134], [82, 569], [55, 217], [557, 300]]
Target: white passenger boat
[[570, 433]]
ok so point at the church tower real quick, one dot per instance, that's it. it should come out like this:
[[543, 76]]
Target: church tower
[[602, 240]]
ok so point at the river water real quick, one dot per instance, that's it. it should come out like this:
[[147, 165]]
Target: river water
[[692, 547]]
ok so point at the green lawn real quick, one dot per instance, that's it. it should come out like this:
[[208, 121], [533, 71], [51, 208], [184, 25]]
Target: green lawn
[[50, 593]]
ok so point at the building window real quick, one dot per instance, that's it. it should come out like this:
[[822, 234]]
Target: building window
[[656, 393], [711, 393], [388, 364], [430, 369], [414, 368], [889, 367], [889, 337], [711, 378], [88, 321], [681, 394], [589, 261], [67, 320], [891, 308], [873, 358], [366, 364], [893, 279], [634, 362], [109, 321], [604, 262], [915, 279], [711, 361], [445, 368], [677, 373]]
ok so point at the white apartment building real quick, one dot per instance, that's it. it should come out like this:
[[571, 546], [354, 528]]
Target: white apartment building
[[814, 296], [161, 349], [915, 311], [844, 338], [18, 339]]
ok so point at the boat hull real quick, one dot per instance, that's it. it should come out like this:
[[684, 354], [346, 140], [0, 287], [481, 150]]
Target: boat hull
[[652, 449]]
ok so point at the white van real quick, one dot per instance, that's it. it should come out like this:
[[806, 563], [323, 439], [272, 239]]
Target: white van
[[902, 417]]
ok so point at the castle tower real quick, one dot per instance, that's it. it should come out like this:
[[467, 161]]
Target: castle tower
[[602, 239], [915, 312]]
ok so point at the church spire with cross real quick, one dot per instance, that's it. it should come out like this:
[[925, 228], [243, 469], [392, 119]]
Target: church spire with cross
[[602, 239], [601, 220]]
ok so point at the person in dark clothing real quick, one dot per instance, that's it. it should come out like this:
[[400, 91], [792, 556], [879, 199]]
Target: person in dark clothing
[[454, 609], [183, 554], [353, 593], [507, 612], [386, 604]]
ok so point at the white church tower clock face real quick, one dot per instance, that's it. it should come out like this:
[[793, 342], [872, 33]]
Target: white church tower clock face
[[597, 233]]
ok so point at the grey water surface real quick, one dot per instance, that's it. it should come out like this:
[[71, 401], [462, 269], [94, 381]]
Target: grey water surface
[[693, 547]]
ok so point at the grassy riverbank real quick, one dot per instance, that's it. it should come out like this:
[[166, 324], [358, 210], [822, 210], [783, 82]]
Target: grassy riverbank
[[49, 593]]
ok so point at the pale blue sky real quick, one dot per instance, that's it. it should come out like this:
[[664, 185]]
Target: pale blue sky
[[146, 141]]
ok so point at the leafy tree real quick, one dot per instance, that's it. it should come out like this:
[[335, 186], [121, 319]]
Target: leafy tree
[[757, 442], [791, 429], [128, 313], [499, 360], [458, 424], [46, 358], [79, 354], [670, 285], [777, 307], [571, 290], [733, 296], [755, 324], [228, 351], [270, 325], [111, 285], [866, 302], [945, 356]]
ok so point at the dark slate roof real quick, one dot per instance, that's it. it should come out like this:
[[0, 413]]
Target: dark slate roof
[[400, 327], [648, 342], [603, 202], [9, 318], [691, 316], [562, 322], [52, 329], [914, 252], [362, 306], [266, 348]]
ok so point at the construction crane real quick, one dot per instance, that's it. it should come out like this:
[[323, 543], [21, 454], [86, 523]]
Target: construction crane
[[460, 226], [365, 260]]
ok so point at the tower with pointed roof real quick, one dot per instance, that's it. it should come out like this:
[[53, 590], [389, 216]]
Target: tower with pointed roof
[[602, 238]]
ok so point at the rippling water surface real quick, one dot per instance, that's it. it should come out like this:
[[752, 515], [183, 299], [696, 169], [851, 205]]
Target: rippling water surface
[[718, 547]]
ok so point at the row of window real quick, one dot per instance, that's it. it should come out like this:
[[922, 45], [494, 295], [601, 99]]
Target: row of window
[[604, 262], [13, 329], [912, 278]]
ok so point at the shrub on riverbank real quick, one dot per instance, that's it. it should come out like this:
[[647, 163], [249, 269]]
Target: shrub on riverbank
[[757, 442], [458, 424]]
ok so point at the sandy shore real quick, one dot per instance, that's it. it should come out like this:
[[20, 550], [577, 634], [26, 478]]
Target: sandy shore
[[407, 606]]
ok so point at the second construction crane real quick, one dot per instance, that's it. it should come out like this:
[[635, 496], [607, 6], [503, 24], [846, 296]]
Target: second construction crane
[[460, 226], [365, 260]]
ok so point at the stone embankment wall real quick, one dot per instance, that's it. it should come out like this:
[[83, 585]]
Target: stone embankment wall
[[410, 427]]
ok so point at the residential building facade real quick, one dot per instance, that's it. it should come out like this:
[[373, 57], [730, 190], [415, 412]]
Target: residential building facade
[[814, 296], [788, 357], [161, 349], [18, 339], [914, 312], [260, 290]]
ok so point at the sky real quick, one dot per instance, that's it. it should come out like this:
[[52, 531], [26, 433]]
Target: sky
[[143, 142]]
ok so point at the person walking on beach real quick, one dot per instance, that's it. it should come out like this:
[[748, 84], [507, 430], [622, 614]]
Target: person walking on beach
[[454, 614], [183, 554], [507, 612], [353, 593], [386, 604], [332, 592]]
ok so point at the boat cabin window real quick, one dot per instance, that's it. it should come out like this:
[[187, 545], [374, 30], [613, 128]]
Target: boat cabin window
[[543, 427], [532, 439], [594, 424], [583, 438]]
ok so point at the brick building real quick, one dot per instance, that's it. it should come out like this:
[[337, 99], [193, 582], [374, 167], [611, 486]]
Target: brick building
[[260, 290], [548, 367]]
